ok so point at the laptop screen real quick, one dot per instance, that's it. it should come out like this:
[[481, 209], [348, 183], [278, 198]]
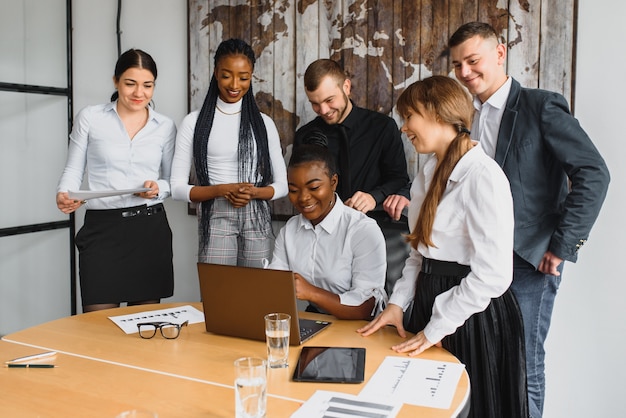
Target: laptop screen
[[236, 300]]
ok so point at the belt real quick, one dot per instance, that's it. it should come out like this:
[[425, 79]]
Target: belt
[[444, 268], [111, 215], [142, 210]]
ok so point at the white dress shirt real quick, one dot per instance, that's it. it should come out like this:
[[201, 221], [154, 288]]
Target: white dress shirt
[[488, 116], [344, 254], [100, 146], [222, 149], [473, 226]]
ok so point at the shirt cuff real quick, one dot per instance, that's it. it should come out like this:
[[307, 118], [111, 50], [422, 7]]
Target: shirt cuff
[[433, 333]]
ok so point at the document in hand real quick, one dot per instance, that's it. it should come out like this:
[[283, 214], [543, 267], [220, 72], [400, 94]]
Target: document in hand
[[88, 194]]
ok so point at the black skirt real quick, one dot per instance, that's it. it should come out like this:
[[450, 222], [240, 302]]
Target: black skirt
[[489, 343], [125, 255]]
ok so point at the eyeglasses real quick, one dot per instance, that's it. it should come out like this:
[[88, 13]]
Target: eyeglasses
[[168, 330]]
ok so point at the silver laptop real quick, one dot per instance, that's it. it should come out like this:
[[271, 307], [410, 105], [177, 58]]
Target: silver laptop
[[236, 299]]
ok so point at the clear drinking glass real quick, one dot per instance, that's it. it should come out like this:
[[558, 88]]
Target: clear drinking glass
[[277, 327], [250, 387]]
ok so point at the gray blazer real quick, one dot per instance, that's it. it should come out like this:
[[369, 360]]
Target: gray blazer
[[542, 148]]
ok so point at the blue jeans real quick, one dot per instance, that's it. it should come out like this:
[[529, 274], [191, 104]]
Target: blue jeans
[[535, 293]]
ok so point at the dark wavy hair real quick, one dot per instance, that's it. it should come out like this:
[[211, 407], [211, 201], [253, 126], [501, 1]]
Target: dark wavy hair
[[253, 168], [133, 58]]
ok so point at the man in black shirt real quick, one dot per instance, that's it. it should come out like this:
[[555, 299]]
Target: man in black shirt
[[374, 166], [368, 149]]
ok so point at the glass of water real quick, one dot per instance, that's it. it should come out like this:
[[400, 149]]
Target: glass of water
[[277, 337], [250, 387]]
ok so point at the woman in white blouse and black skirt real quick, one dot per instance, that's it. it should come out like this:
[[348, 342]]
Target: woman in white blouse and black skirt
[[125, 244], [460, 266]]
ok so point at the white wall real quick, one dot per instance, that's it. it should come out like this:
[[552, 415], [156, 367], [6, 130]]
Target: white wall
[[585, 349], [585, 360]]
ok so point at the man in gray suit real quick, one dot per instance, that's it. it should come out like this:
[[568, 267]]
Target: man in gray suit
[[558, 180]]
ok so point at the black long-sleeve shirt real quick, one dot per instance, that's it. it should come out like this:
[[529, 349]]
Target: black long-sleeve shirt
[[377, 160]]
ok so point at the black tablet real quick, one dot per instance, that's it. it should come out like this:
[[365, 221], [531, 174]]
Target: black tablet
[[330, 364]]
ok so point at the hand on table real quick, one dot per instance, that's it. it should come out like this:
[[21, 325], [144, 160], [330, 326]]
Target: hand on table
[[415, 345], [392, 315]]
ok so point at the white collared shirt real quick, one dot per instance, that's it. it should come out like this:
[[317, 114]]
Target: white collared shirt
[[222, 149], [344, 254], [101, 147], [473, 226], [488, 116]]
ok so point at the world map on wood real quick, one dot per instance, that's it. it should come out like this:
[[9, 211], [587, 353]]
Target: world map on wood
[[384, 45]]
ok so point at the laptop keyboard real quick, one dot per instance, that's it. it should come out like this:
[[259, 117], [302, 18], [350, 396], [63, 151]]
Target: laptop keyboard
[[310, 327], [305, 332]]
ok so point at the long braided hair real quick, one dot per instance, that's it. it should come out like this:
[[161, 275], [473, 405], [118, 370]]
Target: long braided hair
[[445, 98], [253, 151]]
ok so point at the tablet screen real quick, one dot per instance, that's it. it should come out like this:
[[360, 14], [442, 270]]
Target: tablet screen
[[330, 364]]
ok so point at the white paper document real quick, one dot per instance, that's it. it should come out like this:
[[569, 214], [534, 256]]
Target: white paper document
[[89, 194], [415, 381], [324, 404], [128, 323]]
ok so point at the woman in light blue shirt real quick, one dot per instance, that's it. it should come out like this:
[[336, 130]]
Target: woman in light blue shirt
[[337, 253], [125, 245]]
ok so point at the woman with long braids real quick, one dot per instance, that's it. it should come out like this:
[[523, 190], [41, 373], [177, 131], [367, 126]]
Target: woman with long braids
[[460, 266], [125, 244], [237, 163]]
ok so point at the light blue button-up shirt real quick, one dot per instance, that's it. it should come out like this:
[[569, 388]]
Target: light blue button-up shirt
[[101, 148]]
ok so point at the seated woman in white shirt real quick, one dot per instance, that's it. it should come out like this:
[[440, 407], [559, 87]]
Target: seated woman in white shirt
[[337, 253], [461, 262]]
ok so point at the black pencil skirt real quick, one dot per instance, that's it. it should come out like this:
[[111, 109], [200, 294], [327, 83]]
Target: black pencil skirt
[[490, 344], [125, 255]]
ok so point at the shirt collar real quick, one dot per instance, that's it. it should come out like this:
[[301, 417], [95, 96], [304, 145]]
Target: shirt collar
[[152, 115], [330, 222], [464, 164], [353, 117], [229, 108], [497, 99]]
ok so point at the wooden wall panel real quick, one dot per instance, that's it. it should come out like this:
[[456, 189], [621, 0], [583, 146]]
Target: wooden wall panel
[[378, 91], [523, 36], [411, 46], [384, 45], [556, 50], [198, 44]]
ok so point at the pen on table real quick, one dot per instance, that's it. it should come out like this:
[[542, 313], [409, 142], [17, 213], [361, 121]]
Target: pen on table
[[33, 357], [30, 366]]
